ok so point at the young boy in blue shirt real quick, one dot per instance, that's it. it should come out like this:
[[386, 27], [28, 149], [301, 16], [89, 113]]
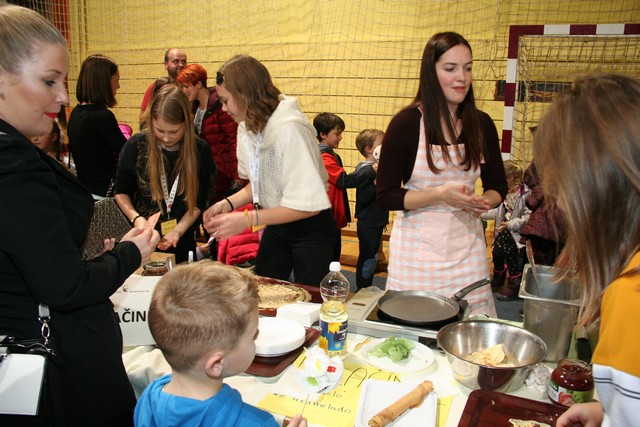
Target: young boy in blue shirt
[[204, 319], [371, 219]]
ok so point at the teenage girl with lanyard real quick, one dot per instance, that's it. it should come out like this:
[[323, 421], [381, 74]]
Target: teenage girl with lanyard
[[278, 153], [167, 168]]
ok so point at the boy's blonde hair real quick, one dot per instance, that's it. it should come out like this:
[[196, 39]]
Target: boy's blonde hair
[[366, 138], [200, 307]]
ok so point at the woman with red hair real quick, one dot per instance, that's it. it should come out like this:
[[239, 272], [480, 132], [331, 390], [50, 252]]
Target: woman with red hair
[[213, 125]]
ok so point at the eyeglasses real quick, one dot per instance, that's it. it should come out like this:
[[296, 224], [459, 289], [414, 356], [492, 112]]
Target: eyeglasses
[[219, 78]]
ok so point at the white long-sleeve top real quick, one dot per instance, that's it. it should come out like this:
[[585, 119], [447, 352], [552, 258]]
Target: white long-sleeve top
[[519, 215], [292, 174]]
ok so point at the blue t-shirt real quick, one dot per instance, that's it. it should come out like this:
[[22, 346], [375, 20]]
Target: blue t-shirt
[[156, 408]]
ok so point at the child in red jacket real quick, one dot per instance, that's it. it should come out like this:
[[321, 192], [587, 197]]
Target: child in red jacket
[[330, 127]]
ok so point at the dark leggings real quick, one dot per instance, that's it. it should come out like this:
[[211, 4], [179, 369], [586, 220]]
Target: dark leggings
[[505, 251], [369, 240]]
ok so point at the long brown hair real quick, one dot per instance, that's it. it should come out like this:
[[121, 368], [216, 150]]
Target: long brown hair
[[587, 148], [434, 105], [249, 81], [172, 106]]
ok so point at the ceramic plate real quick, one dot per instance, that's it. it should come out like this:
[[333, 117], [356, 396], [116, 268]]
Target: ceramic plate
[[377, 395], [278, 336], [421, 357]]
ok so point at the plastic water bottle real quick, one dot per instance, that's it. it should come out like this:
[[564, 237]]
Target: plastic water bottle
[[334, 289]]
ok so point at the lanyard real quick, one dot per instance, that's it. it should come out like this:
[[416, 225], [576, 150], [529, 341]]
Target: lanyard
[[168, 197], [199, 116], [254, 165]]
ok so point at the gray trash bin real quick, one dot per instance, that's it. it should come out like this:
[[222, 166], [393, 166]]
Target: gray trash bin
[[552, 315]]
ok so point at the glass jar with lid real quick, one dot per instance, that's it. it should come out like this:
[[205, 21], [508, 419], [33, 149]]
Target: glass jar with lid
[[571, 382], [155, 268]]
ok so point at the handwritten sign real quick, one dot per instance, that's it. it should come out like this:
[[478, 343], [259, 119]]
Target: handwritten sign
[[339, 405]]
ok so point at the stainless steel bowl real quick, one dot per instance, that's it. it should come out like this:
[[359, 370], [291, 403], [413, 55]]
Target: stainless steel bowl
[[523, 349]]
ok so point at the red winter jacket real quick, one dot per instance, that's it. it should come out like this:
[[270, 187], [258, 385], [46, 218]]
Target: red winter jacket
[[242, 247], [546, 219], [339, 179], [219, 130]]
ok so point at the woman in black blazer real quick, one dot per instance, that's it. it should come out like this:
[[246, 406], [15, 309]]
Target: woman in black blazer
[[44, 218]]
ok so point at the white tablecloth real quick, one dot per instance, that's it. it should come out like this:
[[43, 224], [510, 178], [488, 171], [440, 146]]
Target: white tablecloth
[[145, 363]]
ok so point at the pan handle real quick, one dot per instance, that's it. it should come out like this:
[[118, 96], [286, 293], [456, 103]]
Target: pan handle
[[472, 287]]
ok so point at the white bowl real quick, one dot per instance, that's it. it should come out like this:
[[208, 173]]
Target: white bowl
[[278, 336]]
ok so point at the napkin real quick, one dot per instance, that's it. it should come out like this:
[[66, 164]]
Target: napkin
[[305, 313]]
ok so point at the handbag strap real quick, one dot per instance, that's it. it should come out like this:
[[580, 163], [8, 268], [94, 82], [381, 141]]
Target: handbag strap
[[10, 344], [112, 185], [44, 316]]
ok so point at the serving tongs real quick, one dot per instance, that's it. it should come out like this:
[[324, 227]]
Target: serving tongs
[[532, 263]]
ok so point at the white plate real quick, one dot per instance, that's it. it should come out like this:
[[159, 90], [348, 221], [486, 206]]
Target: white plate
[[421, 357], [377, 395], [278, 336]]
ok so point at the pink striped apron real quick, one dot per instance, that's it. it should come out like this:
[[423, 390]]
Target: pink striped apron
[[439, 248]]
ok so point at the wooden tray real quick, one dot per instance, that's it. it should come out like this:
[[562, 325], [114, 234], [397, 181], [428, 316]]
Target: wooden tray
[[272, 366], [494, 409]]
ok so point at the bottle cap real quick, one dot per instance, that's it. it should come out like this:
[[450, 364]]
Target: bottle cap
[[335, 266]]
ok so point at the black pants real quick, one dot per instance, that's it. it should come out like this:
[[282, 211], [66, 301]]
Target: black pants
[[545, 251], [369, 240], [337, 247], [505, 252], [303, 247]]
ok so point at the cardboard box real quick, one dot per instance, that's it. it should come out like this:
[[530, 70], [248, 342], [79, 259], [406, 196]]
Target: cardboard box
[[131, 303]]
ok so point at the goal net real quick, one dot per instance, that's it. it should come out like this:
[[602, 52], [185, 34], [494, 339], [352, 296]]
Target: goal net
[[548, 64], [355, 58]]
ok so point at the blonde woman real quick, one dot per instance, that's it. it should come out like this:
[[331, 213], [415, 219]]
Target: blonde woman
[[587, 148], [45, 207], [166, 168]]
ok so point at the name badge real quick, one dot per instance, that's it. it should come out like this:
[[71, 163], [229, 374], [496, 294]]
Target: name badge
[[168, 226]]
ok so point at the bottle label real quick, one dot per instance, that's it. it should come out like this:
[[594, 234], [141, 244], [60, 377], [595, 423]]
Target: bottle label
[[567, 397], [333, 335]]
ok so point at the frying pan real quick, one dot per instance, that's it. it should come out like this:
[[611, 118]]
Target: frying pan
[[424, 308]]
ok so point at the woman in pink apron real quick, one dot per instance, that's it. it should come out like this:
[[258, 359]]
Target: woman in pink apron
[[434, 151]]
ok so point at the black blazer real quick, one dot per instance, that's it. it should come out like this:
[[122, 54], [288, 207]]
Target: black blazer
[[44, 218]]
